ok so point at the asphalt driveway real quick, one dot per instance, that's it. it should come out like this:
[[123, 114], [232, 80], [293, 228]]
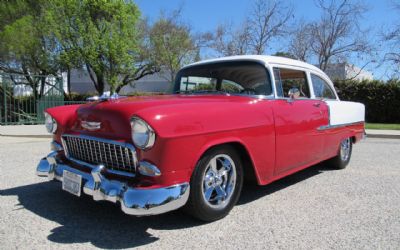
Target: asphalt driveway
[[355, 208]]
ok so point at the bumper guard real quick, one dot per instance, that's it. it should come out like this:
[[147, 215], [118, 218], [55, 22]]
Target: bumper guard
[[134, 201]]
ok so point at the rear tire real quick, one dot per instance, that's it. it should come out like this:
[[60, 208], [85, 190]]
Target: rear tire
[[343, 158], [215, 184]]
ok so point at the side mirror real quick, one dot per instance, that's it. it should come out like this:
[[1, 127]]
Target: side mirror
[[294, 93]]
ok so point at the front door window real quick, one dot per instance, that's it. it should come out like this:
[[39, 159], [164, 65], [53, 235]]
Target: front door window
[[286, 79]]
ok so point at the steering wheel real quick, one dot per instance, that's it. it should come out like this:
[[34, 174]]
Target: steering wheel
[[248, 91]]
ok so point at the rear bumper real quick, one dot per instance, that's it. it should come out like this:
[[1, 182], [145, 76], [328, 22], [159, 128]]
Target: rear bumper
[[134, 201]]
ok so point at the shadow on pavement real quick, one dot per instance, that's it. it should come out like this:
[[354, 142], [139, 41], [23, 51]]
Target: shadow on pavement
[[105, 226], [252, 192]]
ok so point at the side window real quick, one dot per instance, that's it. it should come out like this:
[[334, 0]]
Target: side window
[[197, 83], [231, 86], [285, 79], [321, 88]]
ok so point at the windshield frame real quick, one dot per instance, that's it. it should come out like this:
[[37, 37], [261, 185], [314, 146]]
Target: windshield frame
[[177, 83]]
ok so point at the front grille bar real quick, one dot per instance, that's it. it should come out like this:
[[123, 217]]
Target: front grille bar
[[97, 151]]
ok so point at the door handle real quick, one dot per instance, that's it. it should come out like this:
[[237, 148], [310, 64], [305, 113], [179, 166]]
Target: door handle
[[317, 104]]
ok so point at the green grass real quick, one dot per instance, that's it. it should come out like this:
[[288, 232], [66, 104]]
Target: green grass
[[382, 126]]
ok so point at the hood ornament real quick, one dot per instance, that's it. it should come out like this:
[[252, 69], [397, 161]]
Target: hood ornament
[[104, 97], [91, 126]]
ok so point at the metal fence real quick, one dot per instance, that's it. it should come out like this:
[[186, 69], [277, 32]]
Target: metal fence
[[23, 98]]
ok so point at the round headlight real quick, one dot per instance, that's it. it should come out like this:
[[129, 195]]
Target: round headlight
[[143, 135], [50, 123]]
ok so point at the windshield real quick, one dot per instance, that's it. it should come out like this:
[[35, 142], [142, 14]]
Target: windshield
[[244, 77]]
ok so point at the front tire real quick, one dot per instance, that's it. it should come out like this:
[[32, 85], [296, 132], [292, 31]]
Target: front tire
[[343, 158], [215, 184]]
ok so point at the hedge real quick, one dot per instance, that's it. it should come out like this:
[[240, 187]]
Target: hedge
[[381, 99]]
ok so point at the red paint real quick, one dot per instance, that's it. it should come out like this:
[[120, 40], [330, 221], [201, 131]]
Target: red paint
[[280, 137]]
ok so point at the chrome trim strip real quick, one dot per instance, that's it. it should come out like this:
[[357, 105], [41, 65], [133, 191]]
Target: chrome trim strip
[[326, 127], [134, 201]]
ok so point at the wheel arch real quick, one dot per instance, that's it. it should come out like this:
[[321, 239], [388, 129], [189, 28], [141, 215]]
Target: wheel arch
[[249, 168]]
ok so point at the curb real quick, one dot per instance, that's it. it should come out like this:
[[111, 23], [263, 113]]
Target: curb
[[383, 136], [28, 136]]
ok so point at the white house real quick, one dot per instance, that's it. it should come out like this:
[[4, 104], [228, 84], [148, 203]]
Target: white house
[[342, 71], [81, 83]]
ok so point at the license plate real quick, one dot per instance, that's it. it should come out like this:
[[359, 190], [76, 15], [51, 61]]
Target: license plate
[[72, 183]]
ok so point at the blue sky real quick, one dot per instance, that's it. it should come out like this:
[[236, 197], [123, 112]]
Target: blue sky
[[205, 15]]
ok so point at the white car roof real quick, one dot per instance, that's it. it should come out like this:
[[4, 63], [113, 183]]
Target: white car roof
[[263, 59]]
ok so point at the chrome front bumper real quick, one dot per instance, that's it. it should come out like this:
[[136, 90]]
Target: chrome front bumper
[[134, 201]]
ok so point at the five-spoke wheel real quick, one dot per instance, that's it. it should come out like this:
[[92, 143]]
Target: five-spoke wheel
[[219, 181], [215, 184], [343, 157]]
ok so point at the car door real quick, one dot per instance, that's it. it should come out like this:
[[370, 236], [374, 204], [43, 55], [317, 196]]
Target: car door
[[298, 140], [324, 91]]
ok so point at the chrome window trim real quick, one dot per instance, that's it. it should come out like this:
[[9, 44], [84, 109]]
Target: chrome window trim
[[291, 67], [325, 83]]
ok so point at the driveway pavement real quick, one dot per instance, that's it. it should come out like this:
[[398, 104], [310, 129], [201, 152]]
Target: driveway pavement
[[355, 208]]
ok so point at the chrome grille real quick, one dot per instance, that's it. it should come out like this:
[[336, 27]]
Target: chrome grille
[[113, 155]]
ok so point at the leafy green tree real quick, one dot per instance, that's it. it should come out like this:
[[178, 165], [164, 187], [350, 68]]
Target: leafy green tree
[[106, 37], [284, 54], [173, 44], [99, 35], [26, 44]]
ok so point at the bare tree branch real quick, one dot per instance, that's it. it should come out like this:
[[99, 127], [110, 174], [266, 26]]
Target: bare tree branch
[[337, 34], [300, 41], [268, 20], [392, 41]]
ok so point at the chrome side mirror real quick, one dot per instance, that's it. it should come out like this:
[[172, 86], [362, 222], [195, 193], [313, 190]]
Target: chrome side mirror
[[294, 93]]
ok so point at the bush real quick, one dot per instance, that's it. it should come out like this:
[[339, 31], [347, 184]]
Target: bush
[[381, 99], [76, 97]]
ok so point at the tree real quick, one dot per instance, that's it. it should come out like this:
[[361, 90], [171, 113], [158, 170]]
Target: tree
[[300, 42], [392, 39], [229, 41], [26, 44], [284, 54], [101, 35], [172, 44], [337, 34], [266, 21]]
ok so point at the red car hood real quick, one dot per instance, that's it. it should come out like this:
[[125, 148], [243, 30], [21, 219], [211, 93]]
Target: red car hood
[[169, 115]]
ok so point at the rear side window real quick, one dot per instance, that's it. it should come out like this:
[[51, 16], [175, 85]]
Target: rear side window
[[322, 88], [285, 79]]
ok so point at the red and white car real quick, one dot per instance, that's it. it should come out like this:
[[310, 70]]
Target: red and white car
[[255, 117]]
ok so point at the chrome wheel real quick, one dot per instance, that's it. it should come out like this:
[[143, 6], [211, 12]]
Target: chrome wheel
[[219, 180], [345, 149]]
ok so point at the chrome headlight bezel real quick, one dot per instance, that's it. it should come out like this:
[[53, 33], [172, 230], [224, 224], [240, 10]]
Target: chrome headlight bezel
[[50, 123], [143, 135]]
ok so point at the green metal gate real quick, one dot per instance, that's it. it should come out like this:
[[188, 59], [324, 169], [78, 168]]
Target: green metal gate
[[23, 98]]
